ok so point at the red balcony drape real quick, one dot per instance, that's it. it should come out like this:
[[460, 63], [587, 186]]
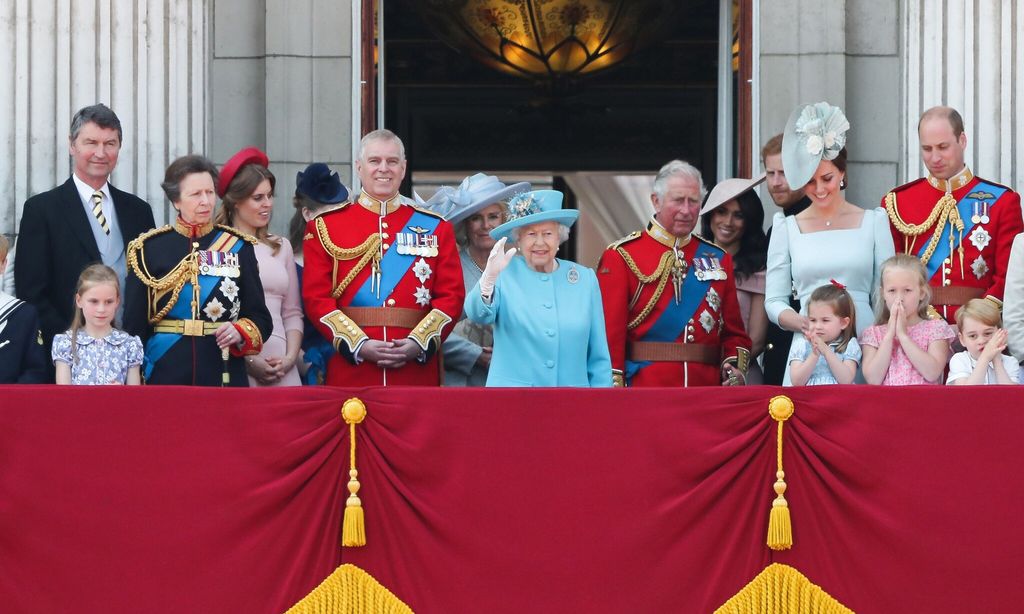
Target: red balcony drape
[[197, 500]]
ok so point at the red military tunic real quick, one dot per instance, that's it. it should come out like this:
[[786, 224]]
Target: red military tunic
[[976, 264], [415, 293], [638, 287]]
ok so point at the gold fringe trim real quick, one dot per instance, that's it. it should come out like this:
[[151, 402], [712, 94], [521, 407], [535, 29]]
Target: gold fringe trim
[[368, 251], [353, 527], [661, 274], [350, 590], [780, 527], [781, 589]]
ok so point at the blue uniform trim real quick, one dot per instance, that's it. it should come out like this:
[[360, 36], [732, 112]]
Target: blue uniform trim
[[393, 265], [158, 343], [990, 194], [673, 320]]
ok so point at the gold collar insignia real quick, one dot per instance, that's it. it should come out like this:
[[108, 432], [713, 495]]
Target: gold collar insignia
[[380, 207], [954, 183]]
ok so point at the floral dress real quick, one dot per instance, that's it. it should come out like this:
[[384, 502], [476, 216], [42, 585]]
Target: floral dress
[[98, 361], [901, 371]]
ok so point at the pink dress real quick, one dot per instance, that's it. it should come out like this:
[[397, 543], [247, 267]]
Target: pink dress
[[901, 371], [281, 292], [745, 291]]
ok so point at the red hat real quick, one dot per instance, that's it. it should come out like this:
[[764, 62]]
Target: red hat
[[249, 155]]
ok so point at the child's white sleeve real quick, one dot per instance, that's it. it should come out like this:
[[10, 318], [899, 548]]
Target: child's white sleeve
[[959, 367], [1011, 366], [798, 350]]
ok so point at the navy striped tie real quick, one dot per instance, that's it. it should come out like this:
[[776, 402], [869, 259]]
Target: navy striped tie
[[97, 210]]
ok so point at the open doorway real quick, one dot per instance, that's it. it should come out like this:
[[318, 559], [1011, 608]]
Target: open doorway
[[600, 139]]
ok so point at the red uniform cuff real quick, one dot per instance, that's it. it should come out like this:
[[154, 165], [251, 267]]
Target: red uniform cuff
[[252, 340]]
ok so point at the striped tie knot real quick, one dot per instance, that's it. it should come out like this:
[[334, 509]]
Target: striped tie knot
[[97, 210]]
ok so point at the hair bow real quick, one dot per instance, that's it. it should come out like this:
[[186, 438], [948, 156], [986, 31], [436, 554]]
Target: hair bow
[[837, 284]]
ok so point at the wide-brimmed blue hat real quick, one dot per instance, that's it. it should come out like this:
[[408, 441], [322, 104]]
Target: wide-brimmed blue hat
[[814, 132], [535, 207], [476, 192], [320, 184]]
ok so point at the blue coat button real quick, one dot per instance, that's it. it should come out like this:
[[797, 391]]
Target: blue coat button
[[544, 277], [550, 364], [549, 332]]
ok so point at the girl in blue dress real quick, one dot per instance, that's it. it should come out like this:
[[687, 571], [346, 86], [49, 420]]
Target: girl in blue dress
[[92, 351], [828, 352]]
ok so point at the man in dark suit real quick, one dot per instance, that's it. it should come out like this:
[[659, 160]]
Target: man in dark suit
[[83, 221]]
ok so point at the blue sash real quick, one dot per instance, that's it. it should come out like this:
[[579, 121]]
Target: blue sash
[[982, 193], [393, 266], [673, 320], [158, 343]]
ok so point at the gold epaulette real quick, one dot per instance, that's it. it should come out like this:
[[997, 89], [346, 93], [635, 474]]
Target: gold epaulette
[[332, 209], [238, 233], [707, 242], [427, 212], [626, 239], [137, 241]]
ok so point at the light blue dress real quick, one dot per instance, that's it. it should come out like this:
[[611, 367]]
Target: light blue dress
[[463, 347], [805, 261], [548, 327], [822, 374]]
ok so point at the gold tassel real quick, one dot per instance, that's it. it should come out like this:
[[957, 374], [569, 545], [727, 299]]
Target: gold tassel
[[780, 528], [353, 528]]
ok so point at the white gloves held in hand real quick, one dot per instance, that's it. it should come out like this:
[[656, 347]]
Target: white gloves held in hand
[[496, 263]]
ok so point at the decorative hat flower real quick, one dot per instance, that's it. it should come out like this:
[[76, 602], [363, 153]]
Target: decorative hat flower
[[823, 128], [522, 205]]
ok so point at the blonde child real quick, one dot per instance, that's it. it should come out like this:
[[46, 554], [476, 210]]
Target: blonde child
[[983, 361], [905, 347], [93, 351], [828, 353]]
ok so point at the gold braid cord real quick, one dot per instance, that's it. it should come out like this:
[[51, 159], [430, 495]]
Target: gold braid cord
[[174, 281], [661, 274], [366, 251], [350, 590], [781, 589], [944, 211]]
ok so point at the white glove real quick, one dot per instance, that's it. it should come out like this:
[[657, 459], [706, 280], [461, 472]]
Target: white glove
[[496, 263]]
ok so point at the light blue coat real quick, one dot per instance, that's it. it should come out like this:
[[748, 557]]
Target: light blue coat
[[548, 327]]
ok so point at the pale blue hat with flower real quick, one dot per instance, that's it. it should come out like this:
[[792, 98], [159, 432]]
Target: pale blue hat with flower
[[476, 192], [535, 207], [814, 132]]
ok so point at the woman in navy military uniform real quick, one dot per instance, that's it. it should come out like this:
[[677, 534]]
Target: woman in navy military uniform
[[193, 293]]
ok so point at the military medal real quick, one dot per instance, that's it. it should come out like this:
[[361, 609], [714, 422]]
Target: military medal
[[979, 267], [220, 264], [980, 238], [713, 299], [984, 214], [707, 321], [976, 216], [573, 276]]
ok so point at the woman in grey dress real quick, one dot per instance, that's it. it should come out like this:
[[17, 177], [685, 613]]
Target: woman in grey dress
[[476, 207]]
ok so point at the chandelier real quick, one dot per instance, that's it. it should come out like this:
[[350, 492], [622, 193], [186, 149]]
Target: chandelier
[[548, 39]]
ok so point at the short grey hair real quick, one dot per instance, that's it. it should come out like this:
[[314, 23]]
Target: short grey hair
[[678, 167], [563, 234], [382, 134], [99, 114]]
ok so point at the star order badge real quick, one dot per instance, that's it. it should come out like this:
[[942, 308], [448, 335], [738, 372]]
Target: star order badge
[[422, 295], [714, 300], [980, 238], [214, 310], [229, 289], [980, 267], [422, 270], [707, 321]]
